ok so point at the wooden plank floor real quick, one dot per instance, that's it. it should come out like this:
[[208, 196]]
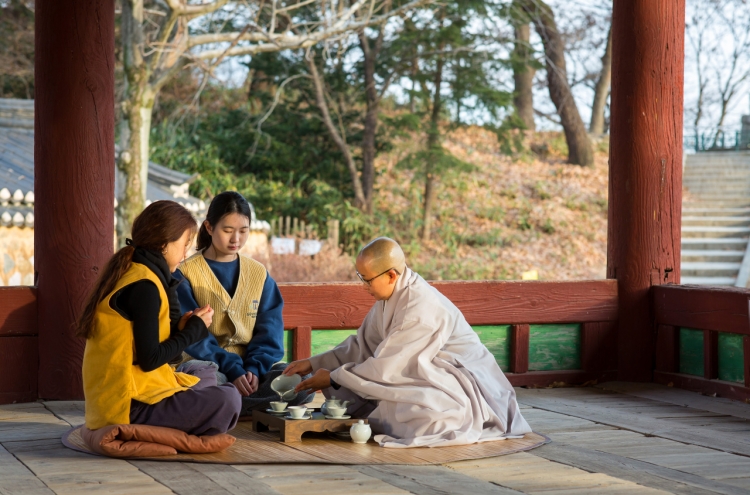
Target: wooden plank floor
[[610, 439]]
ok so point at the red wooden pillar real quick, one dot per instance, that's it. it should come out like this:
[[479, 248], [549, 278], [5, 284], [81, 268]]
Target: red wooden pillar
[[74, 176], [645, 181]]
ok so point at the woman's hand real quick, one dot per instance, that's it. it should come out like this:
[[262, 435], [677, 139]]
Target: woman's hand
[[301, 367], [246, 384], [320, 380], [206, 313], [183, 320]]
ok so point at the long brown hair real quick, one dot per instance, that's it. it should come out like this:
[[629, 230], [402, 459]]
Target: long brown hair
[[159, 224], [222, 205]]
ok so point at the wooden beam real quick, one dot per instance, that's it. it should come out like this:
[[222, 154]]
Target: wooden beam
[[710, 355], [668, 349], [519, 349], [344, 305], [645, 174], [17, 312], [730, 390], [301, 343], [724, 309], [74, 175]]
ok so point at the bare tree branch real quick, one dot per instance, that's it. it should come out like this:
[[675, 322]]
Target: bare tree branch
[[290, 40], [337, 137], [181, 7]]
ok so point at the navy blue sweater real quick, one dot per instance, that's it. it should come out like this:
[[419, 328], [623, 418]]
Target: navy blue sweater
[[267, 345]]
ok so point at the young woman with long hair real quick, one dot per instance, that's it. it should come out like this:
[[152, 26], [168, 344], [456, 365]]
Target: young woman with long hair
[[133, 328], [246, 337]]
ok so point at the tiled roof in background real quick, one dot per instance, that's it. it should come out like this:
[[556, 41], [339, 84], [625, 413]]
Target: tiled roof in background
[[17, 170]]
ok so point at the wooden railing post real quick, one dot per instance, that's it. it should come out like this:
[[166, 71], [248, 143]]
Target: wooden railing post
[[710, 355], [746, 352], [301, 343], [519, 349]]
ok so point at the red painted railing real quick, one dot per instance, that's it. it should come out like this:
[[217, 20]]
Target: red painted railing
[[712, 310], [593, 304], [19, 345]]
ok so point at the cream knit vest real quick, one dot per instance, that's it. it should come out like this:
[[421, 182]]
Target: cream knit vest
[[234, 317]]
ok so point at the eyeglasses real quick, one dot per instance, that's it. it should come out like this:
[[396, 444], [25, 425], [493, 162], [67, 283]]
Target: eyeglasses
[[369, 282]]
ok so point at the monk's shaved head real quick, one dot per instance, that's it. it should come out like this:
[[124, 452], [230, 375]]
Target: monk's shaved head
[[382, 254]]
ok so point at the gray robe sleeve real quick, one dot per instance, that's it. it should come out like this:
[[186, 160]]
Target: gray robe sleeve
[[355, 349]]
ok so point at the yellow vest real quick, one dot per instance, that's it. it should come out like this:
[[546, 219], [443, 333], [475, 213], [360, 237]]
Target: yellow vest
[[234, 317], [110, 379]]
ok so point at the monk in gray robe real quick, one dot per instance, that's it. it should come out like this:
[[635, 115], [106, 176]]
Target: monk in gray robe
[[415, 368]]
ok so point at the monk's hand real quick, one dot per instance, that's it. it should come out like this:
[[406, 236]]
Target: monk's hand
[[244, 384], [183, 320], [301, 367], [320, 380]]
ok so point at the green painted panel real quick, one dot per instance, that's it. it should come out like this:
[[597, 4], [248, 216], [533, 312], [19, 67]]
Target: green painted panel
[[731, 358], [288, 334], [497, 341], [325, 340], [322, 341], [554, 347], [691, 351]]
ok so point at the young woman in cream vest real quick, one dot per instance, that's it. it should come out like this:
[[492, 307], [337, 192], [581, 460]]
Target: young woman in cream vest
[[246, 337], [133, 328]]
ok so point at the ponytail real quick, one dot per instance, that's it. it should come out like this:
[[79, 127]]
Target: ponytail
[[113, 270], [159, 224], [204, 238]]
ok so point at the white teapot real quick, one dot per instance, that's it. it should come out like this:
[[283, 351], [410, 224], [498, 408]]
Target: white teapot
[[333, 401], [360, 432]]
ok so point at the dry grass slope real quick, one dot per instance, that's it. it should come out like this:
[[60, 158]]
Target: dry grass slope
[[504, 216], [508, 215]]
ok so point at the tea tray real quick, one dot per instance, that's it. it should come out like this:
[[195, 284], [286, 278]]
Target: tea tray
[[291, 430]]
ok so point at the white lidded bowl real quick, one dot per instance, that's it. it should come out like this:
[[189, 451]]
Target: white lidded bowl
[[360, 432]]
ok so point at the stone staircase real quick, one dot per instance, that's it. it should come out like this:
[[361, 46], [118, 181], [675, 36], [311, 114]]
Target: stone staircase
[[716, 219]]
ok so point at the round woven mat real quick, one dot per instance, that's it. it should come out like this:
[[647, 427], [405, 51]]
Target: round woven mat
[[264, 448]]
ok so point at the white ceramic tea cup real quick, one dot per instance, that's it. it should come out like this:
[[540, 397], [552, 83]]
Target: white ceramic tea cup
[[278, 406], [297, 412], [336, 411]]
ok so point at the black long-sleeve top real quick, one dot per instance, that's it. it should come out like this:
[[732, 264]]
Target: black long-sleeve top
[[140, 303]]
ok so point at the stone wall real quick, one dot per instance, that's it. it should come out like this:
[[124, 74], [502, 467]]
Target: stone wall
[[16, 256]]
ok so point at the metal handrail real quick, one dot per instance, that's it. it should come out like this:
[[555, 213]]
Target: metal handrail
[[717, 139]]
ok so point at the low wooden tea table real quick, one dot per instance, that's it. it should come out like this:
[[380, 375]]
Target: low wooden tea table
[[291, 430]]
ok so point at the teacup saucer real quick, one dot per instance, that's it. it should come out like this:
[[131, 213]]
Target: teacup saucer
[[345, 416], [307, 416], [273, 411], [341, 435]]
